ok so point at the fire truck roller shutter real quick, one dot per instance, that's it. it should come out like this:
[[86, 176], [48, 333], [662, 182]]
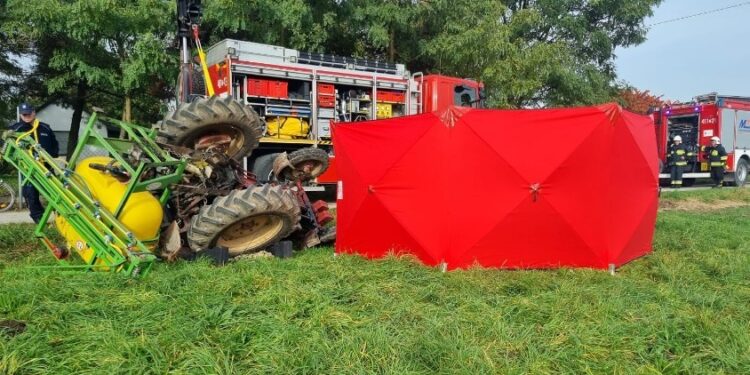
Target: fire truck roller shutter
[[729, 117]]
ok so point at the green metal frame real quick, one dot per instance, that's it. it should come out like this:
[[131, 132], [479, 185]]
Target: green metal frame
[[68, 196]]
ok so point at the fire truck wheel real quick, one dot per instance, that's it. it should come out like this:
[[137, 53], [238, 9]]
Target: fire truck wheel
[[245, 221], [215, 122], [308, 163], [740, 173], [263, 167]]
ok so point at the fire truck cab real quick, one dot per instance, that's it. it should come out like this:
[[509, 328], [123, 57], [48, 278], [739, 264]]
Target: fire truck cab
[[299, 94], [723, 116]]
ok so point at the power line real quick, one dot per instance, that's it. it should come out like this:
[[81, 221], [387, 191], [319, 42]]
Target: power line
[[701, 13]]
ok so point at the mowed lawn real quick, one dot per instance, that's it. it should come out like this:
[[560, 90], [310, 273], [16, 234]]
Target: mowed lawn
[[683, 309]]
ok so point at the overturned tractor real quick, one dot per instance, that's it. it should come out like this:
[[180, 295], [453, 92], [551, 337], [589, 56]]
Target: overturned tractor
[[218, 203], [181, 179]]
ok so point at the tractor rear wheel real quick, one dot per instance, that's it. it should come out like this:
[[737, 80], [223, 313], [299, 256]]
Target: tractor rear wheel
[[213, 122], [245, 220]]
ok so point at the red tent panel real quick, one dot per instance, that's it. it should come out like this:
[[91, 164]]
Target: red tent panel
[[513, 189]]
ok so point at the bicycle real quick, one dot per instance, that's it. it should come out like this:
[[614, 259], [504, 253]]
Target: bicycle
[[7, 196]]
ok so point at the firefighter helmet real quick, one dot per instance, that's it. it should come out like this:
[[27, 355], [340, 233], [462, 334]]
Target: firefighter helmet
[[677, 138]]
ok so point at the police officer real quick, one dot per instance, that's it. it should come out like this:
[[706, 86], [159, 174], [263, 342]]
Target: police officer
[[43, 135], [677, 161], [717, 159]]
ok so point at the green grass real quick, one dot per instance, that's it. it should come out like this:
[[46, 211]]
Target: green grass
[[683, 309]]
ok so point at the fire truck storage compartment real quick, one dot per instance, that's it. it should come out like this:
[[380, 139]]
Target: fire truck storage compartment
[[686, 126], [285, 118], [299, 89], [355, 103], [275, 88]]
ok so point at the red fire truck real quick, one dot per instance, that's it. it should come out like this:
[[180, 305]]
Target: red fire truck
[[299, 94], [711, 115]]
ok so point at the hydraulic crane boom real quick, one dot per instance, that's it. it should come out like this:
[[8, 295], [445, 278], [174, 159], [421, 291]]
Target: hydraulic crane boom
[[189, 14]]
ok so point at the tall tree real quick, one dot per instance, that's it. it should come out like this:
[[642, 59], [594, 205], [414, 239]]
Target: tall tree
[[383, 28], [114, 47], [290, 23], [535, 52], [528, 52], [10, 69]]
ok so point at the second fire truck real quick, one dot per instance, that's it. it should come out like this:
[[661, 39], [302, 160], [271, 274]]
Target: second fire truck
[[711, 115]]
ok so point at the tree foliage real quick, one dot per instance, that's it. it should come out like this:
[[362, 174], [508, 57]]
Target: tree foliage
[[10, 70], [535, 52], [114, 47], [528, 52], [638, 101], [291, 23]]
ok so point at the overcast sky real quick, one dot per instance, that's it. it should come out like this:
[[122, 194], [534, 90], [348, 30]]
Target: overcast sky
[[693, 56]]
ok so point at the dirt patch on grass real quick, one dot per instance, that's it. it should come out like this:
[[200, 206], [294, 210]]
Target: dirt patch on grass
[[694, 204]]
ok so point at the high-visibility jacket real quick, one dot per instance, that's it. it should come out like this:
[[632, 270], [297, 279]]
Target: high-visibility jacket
[[717, 156], [678, 155]]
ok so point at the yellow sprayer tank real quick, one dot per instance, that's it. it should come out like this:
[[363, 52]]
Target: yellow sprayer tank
[[142, 213]]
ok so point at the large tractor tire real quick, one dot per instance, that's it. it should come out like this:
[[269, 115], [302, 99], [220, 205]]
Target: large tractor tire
[[305, 164], [245, 221], [214, 121]]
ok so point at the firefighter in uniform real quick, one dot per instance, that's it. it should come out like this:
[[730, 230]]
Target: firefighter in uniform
[[43, 135], [677, 161], [717, 159]]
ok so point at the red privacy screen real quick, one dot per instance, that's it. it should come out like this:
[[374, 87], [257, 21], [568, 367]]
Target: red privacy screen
[[512, 189]]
